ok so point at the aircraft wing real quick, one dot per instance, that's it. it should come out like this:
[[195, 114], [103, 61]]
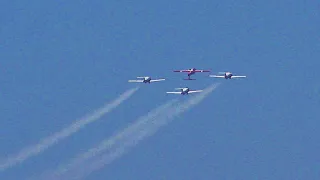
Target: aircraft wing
[[216, 76], [202, 70], [136, 81], [181, 71], [156, 80], [173, 92], [238, 76], [195, 91]]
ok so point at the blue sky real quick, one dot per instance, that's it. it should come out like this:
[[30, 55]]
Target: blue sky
[[61, 60]]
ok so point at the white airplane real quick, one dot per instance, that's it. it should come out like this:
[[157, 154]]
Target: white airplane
[[184, 91], [226, 75], [146, 79]]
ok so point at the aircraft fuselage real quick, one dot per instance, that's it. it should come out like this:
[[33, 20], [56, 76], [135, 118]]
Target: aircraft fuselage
[[191, 72], [147, 80], [184, 91], [228, 75]]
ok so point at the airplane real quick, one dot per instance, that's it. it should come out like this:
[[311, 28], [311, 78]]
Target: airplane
[[145, 79], [226, 75], [184, 91], [191, 72]]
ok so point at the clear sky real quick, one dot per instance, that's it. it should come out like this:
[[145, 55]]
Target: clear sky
[[60, 60]]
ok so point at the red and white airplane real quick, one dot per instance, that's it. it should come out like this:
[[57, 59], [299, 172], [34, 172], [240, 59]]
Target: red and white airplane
[[146, 80], [191, 72], [227, 75], [184, 91]]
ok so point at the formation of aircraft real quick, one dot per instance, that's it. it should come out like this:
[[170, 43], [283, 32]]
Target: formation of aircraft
[[226, 75], [186, 90]]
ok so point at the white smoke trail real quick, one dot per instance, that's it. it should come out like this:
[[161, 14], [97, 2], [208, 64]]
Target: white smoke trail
[[150, 129], [45, 143], [106, 144], [128, 139]]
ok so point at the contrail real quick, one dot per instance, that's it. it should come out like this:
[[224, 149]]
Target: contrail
[[108, 143], [45, 143], [128, 138]]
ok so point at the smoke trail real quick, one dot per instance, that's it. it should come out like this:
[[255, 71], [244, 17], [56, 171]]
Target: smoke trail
[[127, 139], [150, 129], [108, 143], [55, 138]]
